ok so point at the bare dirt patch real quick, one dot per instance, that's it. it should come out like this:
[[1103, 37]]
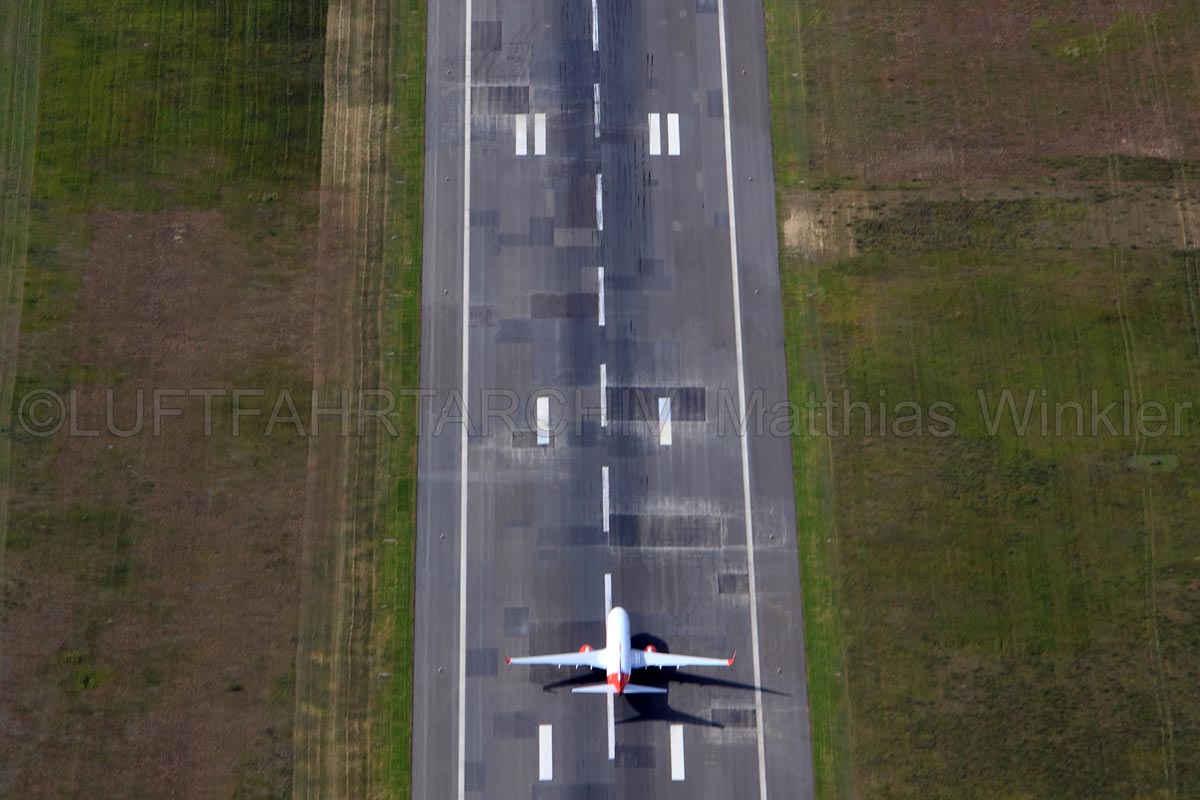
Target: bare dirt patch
[[152, 580], [960, 93]]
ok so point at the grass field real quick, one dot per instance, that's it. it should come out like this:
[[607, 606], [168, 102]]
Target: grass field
[[149, 585], [20, 47], [974, 200], [204, 611], [401, 335]]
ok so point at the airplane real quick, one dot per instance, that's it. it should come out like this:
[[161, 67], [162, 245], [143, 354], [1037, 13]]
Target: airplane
[[619, 659]]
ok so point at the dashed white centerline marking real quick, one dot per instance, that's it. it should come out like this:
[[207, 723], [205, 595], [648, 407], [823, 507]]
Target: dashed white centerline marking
[[600, 292], [595, 26], [545, 752], [677, 773], [543, 421], [604, 395], [655, 135], [664, 421], [522, 133], [741, 387], [605, 512], [607, 592], [599, 201], [539, 134], [596, 108], [612, 728], [672, 134]]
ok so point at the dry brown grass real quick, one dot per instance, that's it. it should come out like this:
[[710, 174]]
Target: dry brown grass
[[137, 560], [334, 679]]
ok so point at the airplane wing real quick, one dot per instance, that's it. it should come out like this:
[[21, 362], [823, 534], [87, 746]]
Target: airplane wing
[[582, 658], [652, 658]]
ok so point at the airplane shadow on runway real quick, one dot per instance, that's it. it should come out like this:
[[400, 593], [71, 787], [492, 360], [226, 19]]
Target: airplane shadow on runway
[[656, 707]]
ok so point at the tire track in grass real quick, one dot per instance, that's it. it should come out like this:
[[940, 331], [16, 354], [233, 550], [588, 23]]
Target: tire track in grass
[[1184, 207], [1133, 364], [332, 735]]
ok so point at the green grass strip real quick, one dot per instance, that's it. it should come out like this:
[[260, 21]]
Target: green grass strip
[[401, 346], [20, 49], [828, 701]]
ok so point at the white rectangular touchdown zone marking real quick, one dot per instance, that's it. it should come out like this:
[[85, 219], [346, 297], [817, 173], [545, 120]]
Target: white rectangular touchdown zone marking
[[672, 134], [655, 135], [522, 134], [677, 770], [545, 752], [539, 134]]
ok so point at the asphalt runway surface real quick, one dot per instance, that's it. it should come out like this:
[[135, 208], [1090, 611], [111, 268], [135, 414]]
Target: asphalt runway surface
[[597, 269]]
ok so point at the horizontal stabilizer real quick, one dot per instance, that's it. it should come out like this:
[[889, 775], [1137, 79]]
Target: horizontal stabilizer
[[633, 688], [595, 688], [608, 688]]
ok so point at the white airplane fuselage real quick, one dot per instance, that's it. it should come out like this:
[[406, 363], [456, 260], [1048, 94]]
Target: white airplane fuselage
[[618, 652]]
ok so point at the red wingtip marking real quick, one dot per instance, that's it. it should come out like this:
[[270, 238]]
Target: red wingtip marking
[[732, 657], [508, 661]]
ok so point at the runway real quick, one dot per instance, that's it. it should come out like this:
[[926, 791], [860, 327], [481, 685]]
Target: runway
[[600, 234]]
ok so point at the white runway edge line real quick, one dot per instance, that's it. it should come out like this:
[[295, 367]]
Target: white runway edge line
[[543, 421], [741, 385], [677, 772], [672, 134], [599, 201], [522, 134], [605, 513], [539, 134], [604, 395], [463, 442], [655, 134], [596, 108], [664, 421], [600, 293], [545, 752]]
